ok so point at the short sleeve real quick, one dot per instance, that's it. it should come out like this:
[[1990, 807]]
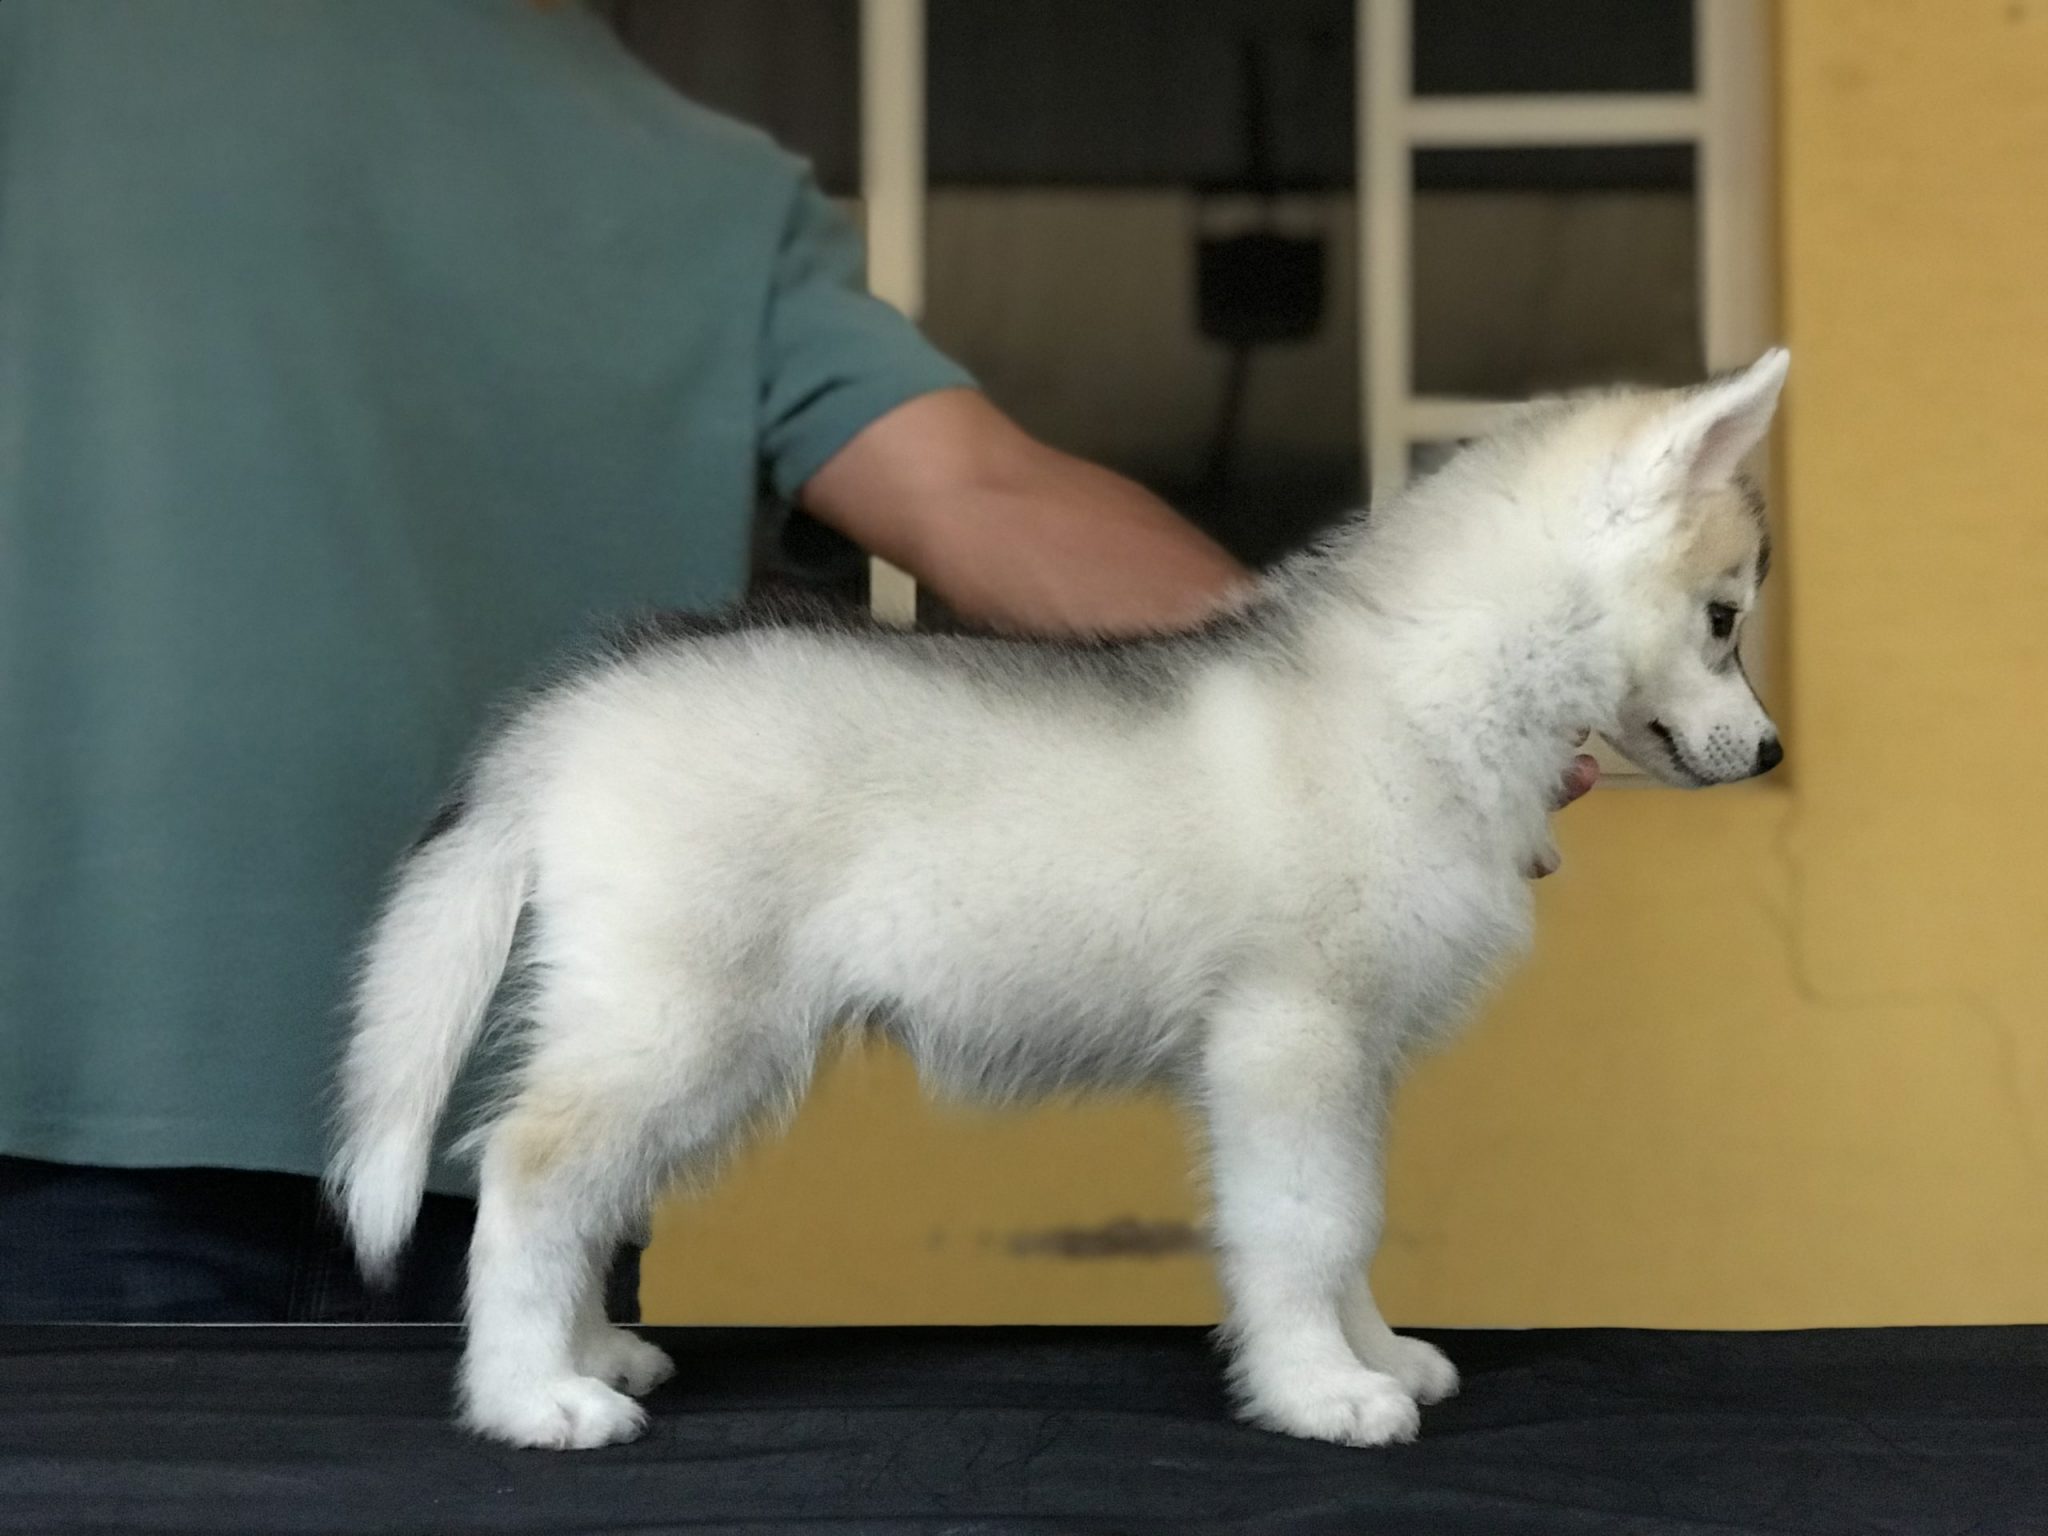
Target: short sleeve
[[835, 358]]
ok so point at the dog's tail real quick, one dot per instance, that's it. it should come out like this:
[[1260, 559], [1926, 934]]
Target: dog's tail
[[433, 962]]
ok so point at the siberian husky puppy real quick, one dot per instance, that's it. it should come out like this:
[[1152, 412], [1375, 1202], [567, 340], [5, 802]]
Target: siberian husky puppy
[[1258, 865]]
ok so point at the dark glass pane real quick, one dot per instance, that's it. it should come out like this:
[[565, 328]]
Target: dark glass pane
[[1479, 47], [1519, 290], [791, 67], [1143, 242], [1141, 93]]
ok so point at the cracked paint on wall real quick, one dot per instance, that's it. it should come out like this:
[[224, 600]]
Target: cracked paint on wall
[[1126, 1237]]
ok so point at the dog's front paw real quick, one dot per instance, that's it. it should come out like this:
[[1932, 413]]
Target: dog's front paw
[[624, 1360], [1356, 1407], [1422, 1369], [575, 1413]]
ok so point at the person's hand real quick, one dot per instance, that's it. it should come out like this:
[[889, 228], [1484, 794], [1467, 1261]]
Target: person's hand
[[1581, 776]]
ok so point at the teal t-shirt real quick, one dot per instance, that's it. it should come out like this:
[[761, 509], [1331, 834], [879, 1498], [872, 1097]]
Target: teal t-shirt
[[355, 356]]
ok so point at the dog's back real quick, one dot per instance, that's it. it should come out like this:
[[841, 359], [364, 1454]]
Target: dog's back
[[1026, 862]]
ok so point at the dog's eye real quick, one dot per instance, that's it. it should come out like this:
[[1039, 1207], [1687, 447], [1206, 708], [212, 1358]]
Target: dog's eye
[[1721, 619]]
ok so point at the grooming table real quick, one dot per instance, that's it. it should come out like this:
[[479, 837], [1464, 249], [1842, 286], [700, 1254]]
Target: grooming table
[[256, 1429]]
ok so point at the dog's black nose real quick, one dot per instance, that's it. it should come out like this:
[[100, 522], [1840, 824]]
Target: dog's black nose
[[1769, 755]]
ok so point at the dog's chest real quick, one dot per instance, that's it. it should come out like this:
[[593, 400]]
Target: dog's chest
[[1416, 934]]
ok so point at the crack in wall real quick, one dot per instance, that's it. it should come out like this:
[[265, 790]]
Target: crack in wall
[[1790, 926], [1127, 1237]]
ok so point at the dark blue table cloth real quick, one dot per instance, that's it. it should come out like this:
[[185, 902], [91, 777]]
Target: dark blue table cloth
[[1033, 1429]]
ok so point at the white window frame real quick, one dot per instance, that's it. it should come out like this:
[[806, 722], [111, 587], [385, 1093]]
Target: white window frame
[[893, 190]]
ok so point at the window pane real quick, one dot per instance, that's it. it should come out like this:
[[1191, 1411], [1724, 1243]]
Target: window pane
[[1140, 92], [1142, 242], [1531, 274], [1477, 47], [791, 67]]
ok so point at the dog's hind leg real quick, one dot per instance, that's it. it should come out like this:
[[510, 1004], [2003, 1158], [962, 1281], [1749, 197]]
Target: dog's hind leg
[[549, 1170], [612, 1100], [533, 1257], [1293, 1104]]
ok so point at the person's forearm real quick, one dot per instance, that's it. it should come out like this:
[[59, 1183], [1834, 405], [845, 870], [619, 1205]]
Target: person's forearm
[[1058, 545], [1013, 534]]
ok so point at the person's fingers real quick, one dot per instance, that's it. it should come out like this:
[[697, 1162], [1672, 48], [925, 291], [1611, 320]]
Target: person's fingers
[[1583, 774]]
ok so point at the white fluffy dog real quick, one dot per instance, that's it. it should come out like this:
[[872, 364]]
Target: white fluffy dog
[[1258, 865]]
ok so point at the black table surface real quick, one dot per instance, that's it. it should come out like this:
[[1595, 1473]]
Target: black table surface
[[234, 1429]]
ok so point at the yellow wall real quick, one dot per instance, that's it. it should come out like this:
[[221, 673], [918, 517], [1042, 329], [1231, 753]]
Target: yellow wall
[[1782, 1055]]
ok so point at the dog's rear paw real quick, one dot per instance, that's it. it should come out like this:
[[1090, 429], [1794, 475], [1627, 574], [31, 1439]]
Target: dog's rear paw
[[575, 1413], [1358, 1407], [1422, 1369], [624, 1360]]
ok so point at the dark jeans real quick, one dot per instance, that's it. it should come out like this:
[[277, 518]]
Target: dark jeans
[[220, 1245]]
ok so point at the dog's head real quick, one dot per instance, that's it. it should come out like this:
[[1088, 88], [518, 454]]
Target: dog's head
[[1685, 549]]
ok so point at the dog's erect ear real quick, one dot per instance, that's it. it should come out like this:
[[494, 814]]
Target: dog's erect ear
[[1709, 431]]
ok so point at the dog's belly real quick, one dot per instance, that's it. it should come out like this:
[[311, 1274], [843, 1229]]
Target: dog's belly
[[1011, 989], [1029, 1053], [1044, 1017]]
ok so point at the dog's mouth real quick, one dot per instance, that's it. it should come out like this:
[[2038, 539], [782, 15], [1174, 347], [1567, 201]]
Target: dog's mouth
[[1672, 750]]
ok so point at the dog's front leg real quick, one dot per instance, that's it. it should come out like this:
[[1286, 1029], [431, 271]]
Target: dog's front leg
[[1421, 1367], [1292, 1100]]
